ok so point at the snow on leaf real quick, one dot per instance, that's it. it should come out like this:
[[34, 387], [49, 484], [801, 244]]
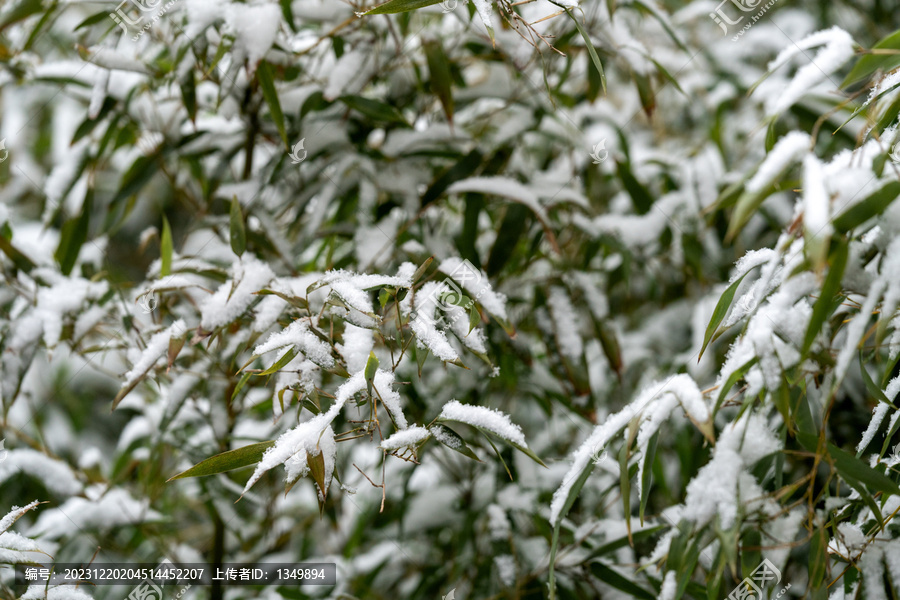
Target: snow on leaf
[[298, 335], [103, 510], [837, 51], [248, 275], [54, 474], [255, 28], [410, 437], [786, 151], [485, 418]]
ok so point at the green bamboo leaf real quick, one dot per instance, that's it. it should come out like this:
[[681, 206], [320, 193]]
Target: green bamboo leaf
[[590, 48], [226, 461], [374, 109], [620, 582], [859, 474], [719, 313], [281, 362], [240, 384], [398, 6], [267, 85], [74, 235], [452, 440], [647, 473], [869, 63], [825, 304], [872, 206], [237, 231], [20, 10], [165, 249], [371, 369], [818, 556], [441, 79], [316, 464]]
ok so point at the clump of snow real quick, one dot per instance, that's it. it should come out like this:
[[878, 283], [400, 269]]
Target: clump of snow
[[475, 281], [255, 28], [358, 343], [298, 466], [156, 348], [837, 51], [298, 334], [115, 508], [566, 324], [405, 438], [382, 383], [655, 402], [486, 418], [786, 151], [714, 491], [249, 275], [878, 414], [41, 591], [54, 474]]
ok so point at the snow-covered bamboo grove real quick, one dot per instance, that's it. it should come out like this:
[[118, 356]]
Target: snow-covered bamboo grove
[[474, 300]]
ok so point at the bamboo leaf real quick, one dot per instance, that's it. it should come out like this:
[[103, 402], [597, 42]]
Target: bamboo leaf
[[165, 249], [399, 6], [719, 313], [74, 234], [237, 231], [590, 48], [452, 440], [267, 85], [825, 304], [227, 461]]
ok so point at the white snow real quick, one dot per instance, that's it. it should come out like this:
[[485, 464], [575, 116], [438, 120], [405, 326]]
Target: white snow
[[405, 438], [878, 414], [249, 275], [565, 321], [255, 28], [297, 334], [156, 348], [837, 51], [785, 152], [486, 418], [358, 343], [54, 474], [113, 509], [816, 199]]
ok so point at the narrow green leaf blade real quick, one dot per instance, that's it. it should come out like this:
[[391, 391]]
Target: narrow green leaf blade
[[831, 287], [165, 249], [399, 6], [872, 206], [267, 85], [226, 461], [719, 313], [590, 48], [74, 235], [237, 231]]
